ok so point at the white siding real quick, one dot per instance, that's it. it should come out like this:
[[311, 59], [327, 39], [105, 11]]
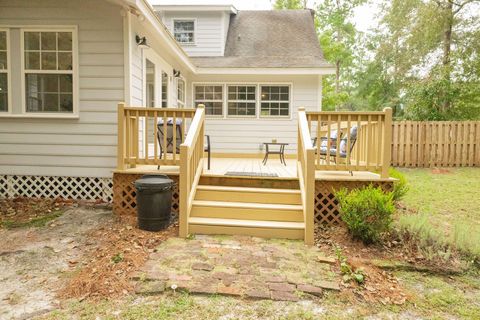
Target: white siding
[[237, 135], [74, 147], [209, 35]]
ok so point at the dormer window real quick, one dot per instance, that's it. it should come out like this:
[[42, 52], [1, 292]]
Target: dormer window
[[184, 31]]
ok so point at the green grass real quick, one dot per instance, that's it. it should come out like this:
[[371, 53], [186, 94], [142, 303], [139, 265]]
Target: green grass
[[447, 205], [36, 222]]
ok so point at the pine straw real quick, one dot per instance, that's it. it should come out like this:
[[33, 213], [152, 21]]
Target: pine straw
[[122, 249]]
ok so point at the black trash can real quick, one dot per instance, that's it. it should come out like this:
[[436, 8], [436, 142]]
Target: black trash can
[[154, 202]]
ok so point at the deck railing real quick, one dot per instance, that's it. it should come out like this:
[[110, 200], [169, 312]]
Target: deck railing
[[138, 135], [191, 166], [306, 174], [363, 142]]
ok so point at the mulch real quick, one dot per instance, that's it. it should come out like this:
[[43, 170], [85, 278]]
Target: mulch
[[106, 271]]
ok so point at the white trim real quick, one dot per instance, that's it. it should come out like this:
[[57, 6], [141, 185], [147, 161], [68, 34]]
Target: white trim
[[8, 71], [224, 84], [74, 72], [194, 20], [197, 8], [266, 71], [127, 56], [177, 81]]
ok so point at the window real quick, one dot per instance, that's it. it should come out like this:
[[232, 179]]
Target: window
[[150, 83], [212, 97], [184, 31], [164, 90], [3, 72], [275, 101], [48, 71], [180, 93], [241, 100]]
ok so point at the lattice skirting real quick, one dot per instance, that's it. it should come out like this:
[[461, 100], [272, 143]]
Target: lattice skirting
[[124, 196], [78, 188], [326, 205]]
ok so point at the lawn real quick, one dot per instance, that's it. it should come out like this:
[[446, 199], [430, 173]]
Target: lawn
[[446, 204]]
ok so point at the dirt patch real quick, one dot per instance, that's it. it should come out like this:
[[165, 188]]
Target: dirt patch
[[33, 261], [440, 171], [121, 250], [380, 284]]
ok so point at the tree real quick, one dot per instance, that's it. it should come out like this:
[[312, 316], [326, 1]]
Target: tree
[[337, 39], [290, 4]]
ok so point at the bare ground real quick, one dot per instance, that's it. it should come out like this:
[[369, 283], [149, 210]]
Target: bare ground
[[33, 260]]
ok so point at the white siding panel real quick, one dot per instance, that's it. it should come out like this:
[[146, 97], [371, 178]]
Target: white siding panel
[[79, 147]]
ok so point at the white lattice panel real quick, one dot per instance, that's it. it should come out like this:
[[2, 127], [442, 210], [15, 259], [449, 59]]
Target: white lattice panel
[[79, 188]]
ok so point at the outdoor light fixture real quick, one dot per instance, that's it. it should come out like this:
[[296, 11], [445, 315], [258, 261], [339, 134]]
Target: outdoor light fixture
[[176, 73], [142, 42]]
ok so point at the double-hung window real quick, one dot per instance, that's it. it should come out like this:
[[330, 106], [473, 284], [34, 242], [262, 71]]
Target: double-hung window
[[184, 31], [48, 71], [164, 90], [275, 100], [4, 71], [242, 100], [180, 93], [212, 97]]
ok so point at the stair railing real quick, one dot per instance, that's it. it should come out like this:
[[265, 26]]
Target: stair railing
[[191, 167], [306, 174]]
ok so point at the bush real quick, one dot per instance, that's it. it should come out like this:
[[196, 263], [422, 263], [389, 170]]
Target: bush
[[400, 186], [367, 212]]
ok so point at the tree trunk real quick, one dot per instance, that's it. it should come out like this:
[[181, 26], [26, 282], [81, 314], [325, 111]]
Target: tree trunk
[[447, 45]]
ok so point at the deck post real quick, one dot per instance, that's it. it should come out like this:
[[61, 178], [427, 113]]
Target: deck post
[[184, 186], [387, 143], [310, 197], [121, 136]]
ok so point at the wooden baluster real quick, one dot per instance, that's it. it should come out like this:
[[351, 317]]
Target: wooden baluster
[[327, 157], [165, 134], [369, 141], [128, 135], [339, 135], [379, 134], [359, 143], [155, 139], [174, 137], [387, 151], [145, 135], [136, 137], [348, 144], [319, 138]]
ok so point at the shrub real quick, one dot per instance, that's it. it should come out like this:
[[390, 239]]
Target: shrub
[[400, 186], [367, 212]]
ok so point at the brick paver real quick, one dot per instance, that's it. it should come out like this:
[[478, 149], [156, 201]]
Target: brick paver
[[238, 266]]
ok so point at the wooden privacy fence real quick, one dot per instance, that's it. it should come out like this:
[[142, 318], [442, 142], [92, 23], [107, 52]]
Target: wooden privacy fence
[[436, 143]]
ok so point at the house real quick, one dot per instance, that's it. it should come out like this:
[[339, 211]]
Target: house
[[65, 65]]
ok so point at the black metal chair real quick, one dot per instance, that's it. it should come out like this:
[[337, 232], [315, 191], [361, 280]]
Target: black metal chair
[[206, 148]]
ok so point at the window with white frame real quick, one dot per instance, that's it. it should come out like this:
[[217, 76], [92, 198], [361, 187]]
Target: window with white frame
[[275, 100], [242, 100], [184, 31], [3, 71], [48, 71], [212, 97], [180, 93]]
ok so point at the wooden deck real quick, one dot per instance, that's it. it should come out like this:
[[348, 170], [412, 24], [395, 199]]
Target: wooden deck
[[220, 166]]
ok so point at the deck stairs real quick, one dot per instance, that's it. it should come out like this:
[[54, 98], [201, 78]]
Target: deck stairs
[[253, 211]]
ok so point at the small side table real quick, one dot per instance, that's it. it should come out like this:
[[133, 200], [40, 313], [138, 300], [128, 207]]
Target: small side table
[[280, 151]]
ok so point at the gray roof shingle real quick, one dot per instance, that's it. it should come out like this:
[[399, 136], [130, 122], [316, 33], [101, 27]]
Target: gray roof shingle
[[269, 39]]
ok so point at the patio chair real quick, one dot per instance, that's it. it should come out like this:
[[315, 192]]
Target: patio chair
[[342, 150], [169, 139], [324, 140]]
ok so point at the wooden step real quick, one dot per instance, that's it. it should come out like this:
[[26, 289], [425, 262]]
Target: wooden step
[[243, 194], [247, 211], [256, 228]]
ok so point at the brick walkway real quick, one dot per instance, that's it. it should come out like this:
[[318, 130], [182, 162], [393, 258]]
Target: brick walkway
[[238, 266]]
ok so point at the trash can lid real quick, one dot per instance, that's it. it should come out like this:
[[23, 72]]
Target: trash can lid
[[154, 182]]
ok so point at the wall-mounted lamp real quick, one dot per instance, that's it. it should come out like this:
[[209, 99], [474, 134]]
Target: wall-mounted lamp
[[142, 42], [177, 73]]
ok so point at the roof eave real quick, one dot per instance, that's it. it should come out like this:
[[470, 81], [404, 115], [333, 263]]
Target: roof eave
[[268, 71], [197, 8]]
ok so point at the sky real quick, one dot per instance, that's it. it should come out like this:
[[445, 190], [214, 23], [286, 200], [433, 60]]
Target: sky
[[364, 17]]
